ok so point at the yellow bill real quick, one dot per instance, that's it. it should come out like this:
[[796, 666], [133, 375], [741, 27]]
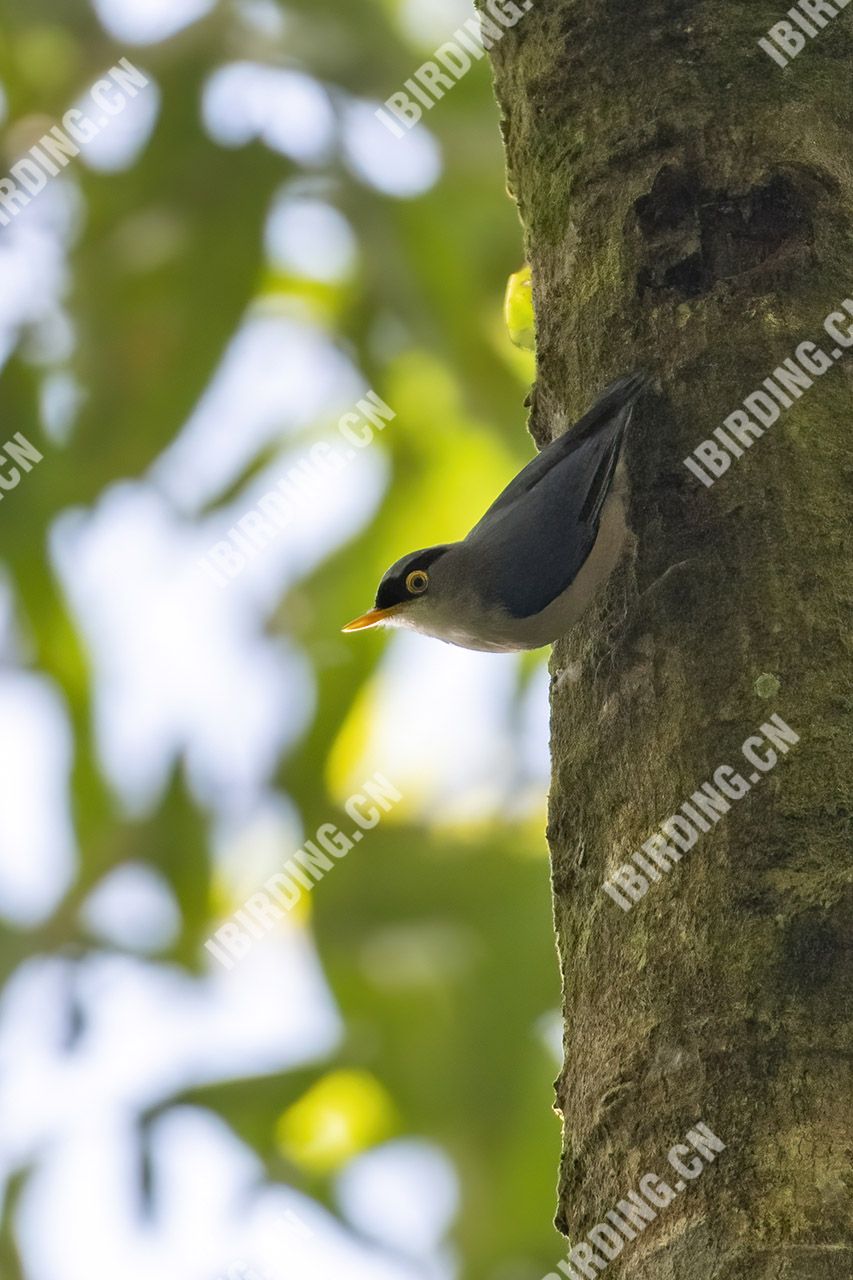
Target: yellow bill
[[373, 618]]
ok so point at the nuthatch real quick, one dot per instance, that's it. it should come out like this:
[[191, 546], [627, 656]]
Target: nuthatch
[[527, 571]]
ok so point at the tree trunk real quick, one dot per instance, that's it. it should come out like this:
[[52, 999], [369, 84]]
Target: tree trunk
[[688, 208]]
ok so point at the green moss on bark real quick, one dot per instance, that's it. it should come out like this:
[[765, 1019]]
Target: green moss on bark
[[688, 208]]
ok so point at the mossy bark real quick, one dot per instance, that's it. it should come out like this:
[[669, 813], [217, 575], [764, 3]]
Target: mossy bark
[[688, 208]]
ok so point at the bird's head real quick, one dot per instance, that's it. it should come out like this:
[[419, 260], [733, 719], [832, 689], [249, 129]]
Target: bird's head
[[408, 594]]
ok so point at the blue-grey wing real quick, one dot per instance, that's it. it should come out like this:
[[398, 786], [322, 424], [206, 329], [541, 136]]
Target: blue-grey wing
[[613, 402], [534, 540]]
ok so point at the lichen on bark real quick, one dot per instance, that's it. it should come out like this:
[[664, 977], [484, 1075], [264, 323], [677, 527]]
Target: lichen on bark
[[688, 208]]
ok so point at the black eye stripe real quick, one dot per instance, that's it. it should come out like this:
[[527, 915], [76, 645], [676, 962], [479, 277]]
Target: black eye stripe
[[394, 587]]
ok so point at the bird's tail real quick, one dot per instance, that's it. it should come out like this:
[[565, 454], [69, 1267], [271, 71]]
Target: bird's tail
[[615, 401]]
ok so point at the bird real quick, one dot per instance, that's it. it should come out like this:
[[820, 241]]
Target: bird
[[530, 567]]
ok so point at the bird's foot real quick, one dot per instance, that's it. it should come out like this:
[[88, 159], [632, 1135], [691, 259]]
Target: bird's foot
[[639, 612], [674, 573]]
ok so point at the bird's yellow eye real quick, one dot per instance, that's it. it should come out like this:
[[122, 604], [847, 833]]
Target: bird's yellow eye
[[417, 582]]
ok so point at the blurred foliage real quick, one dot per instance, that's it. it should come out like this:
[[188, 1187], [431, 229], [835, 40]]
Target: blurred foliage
[[518, 309], [447, 1047]]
